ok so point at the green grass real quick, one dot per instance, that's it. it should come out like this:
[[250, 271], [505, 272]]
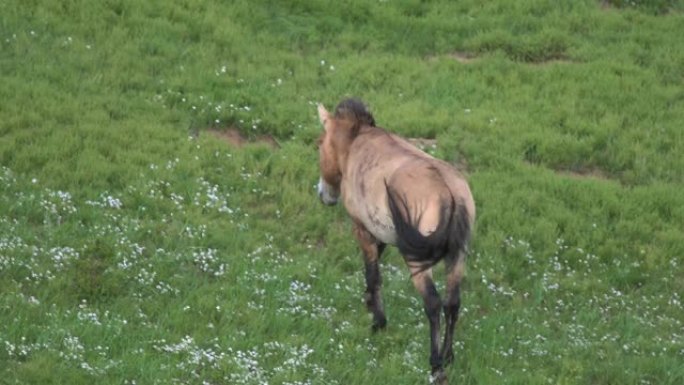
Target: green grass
[[135, 248]]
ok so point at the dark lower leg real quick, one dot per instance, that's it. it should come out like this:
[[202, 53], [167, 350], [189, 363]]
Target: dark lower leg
[[433, 306], [372, 249], [422, 280], [451, 309], [372, 295], [455, 268]]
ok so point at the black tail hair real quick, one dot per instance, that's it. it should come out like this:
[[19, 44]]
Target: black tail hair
[[447, 241]]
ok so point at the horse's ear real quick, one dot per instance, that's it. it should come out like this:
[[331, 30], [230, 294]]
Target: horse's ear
[[323, 114]]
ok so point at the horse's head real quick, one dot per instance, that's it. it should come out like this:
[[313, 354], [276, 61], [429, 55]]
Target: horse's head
[[331, 173], [339, 131]]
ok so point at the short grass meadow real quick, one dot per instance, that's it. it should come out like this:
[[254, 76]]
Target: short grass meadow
[[139, 247]]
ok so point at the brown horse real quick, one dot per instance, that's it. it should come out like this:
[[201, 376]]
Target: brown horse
[[398, 195]]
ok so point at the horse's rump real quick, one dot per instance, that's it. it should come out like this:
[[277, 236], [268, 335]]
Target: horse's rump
[[448, 217]]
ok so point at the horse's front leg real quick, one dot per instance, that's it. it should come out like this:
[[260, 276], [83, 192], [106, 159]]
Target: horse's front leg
[[422, 280], [372, 249]]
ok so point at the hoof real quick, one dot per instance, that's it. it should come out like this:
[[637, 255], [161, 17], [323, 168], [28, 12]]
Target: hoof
[[378, 325], [439, 378]]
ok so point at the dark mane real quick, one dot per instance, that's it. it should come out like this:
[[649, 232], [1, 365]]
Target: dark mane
[[355, 110]]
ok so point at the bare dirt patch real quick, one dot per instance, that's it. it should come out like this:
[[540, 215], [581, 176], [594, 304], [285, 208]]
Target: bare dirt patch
[[550, 62], [426, 144], [423, 143], [235, 138], [607, 5], [585, 173], [463, 57]]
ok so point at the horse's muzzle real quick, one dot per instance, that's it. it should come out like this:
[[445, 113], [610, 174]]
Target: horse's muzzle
[[324, 194], [326, 201]]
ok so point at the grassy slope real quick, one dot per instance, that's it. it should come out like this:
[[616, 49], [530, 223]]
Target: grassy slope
[[133, 254]]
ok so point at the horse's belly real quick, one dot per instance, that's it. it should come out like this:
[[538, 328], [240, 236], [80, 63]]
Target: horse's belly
[[368, 206], [380, 225], [385, 235]]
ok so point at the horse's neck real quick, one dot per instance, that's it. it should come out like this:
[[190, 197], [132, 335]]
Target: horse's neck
[[342, 146]]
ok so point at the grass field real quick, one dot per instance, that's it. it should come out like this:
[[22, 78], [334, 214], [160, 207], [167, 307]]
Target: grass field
[[137, 246]]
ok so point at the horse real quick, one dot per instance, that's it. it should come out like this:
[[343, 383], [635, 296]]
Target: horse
[[398, 195]]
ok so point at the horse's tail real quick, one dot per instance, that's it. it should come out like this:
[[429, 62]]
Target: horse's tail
[[449, 239]]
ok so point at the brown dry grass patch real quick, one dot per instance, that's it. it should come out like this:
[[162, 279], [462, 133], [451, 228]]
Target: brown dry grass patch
[[584, 173], [235, 138]]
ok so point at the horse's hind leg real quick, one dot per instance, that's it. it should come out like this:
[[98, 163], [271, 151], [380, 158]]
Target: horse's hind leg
[[454, 269], [372, 249], [422, 280]]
